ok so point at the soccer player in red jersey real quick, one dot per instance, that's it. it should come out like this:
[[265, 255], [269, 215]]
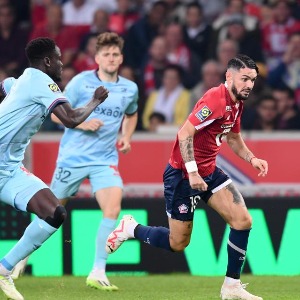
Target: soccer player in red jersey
[[192, 175]]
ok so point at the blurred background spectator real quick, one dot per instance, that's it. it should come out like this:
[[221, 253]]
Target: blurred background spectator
[[85, 59], [265, 115], [287, 72], [198, 37], [172, 99], [275, 34], [78, 12], [289, 116], [196, 31], [141, 34], [123, 18], [156, 62], [66, 37], [211, 76], [156, 120], [13, 39]]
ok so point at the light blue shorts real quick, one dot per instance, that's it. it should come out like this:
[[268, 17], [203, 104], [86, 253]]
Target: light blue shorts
[[66, 181], [17, 188]]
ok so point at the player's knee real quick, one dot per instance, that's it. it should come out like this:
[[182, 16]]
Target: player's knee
[[243, 222], [58, 218], [179, 246]]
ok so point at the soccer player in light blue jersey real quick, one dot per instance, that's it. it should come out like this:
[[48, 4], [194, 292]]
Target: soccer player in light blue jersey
[[30, 99], [91, 149]]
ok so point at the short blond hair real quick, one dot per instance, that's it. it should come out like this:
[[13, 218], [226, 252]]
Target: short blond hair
[[109, 39]]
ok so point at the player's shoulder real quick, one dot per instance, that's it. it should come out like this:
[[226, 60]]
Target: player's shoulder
[[127, 82], [7, 84], [217, 94], [84, 75]]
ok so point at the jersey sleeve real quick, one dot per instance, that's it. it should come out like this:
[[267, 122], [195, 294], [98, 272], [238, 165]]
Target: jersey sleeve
[[133, 106], [47, 93], [206, 110], [6, 85]]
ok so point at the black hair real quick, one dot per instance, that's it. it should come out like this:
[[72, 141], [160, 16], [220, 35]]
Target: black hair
[[194, 4], [39, 48], [242, 61], [176, 68], [158, 115], [285, 89]]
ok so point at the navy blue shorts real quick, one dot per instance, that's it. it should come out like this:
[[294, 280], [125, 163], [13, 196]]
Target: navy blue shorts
[[181, 199]]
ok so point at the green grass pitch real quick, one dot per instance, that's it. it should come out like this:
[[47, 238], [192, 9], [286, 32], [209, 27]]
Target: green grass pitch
[[154, 287]]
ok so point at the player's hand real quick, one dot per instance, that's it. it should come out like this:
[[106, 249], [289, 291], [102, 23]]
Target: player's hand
[[124, 145], [197, 182], [101, 94], [91, 125], [260, 165]]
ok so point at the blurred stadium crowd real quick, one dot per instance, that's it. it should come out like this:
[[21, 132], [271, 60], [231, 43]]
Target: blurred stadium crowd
[[174, 50]]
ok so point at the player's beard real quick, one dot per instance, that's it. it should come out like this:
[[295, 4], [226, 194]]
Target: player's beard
[[238, 95]]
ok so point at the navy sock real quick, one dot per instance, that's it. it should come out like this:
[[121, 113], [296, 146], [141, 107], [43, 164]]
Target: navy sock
[[155, 236], [236, 248]]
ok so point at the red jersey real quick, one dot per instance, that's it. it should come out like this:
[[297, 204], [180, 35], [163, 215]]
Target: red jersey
[[214, 115]]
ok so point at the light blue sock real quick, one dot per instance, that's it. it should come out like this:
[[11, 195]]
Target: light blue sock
[[105, 228], [37, 232]]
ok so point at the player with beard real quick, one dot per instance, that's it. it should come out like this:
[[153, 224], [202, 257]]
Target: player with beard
[[31, 97], [192, 174]]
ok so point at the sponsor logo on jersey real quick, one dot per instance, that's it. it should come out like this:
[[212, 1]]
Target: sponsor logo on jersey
[[54, 87], [203, 113], [228, 108], [110, 112], [227, 125], [183, 209]]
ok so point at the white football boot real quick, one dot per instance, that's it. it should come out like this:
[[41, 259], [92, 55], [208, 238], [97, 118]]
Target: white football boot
[[19, 268], [123, 232], [8, 287], [236, 291]]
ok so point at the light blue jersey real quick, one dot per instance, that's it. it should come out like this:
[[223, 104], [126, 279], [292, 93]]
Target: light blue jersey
[[22, 112], [7, 84], [81, 148]]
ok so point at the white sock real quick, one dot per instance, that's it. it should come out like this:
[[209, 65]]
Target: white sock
[[230, 281], [130, 229], [99, 274]]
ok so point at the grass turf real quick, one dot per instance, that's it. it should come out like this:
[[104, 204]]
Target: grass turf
[[158, 287]]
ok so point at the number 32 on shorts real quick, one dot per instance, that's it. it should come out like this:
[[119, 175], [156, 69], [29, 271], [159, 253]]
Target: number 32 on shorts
[[62, 175]]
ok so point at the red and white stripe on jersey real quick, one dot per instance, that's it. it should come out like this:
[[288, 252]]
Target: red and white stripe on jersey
[[214, 115]]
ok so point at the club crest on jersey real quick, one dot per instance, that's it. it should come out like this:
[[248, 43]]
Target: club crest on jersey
[[203, 113], [54, 87], [183, 209]]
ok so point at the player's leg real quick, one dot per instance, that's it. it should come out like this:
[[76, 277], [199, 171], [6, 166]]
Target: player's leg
[[28, 193], [180, 213], [65, 183], [229, 203], [107, 186]]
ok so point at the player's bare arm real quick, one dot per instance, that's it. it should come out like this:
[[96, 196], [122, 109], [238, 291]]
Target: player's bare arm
[[73, 117], [186, 144], [128, 127], [90, 125], [237, 144]]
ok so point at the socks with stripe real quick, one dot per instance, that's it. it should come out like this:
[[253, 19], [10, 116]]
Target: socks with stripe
[[236, 249]]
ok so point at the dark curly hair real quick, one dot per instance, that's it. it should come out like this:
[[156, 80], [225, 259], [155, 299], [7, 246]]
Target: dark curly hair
[[242, 61], [39, 48]]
